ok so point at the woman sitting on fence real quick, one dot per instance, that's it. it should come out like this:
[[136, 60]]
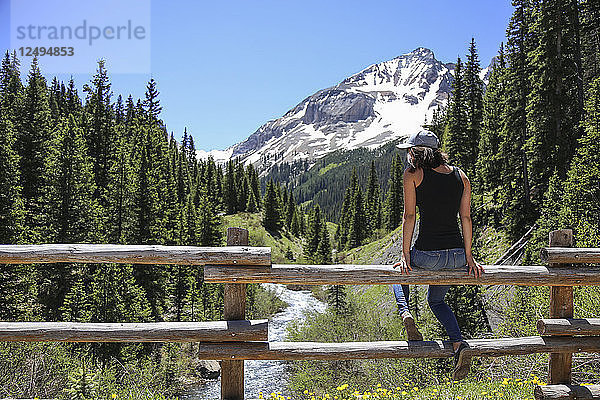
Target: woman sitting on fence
[[441, 191]]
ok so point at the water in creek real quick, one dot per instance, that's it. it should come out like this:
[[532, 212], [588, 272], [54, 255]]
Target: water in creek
[[267, 376]]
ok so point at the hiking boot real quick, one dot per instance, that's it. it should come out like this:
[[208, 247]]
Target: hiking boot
[[412, 333], [462, 362]]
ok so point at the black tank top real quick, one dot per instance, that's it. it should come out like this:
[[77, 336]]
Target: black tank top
[[438, 199]]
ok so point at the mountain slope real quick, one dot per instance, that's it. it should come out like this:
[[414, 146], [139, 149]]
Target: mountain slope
[[383, 102]]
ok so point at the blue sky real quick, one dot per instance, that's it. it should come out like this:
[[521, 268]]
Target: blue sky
[[225, 68]]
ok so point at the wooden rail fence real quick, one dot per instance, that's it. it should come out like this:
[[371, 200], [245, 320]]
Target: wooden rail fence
[[236, 339]]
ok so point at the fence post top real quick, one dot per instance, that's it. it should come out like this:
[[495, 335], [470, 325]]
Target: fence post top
[[561, 238]]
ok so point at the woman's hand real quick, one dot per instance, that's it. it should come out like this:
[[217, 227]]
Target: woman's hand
[[404, 264], [474, 267]]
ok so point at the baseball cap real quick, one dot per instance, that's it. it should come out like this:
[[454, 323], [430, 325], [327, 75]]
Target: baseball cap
[[422, 138]]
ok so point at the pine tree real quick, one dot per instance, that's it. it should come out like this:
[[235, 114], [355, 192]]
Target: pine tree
[[251, 204], [473, 98], [35, 142], [84, 382], [55, 101], [120, 224], [358, 221], [12, 277], [289, 254], [394, 202], [115, 296], [373, 201], [344, 221], [208, 222], [581, 206], [323, 255], [336, 299], [271, 209], [438, 122], [119, 111], [229, 189], [254, 184], [11, 88], [74, 106], [243, 187], [73, 210], [295, 225], [179, 288], [11, 203], [151, 103], [518, 212], [590, 40], [99, 131], [130, 111], [147, 225], [489, 162], [456, 142], [314, 234], [211, 178], [554, 102], [290, 210]]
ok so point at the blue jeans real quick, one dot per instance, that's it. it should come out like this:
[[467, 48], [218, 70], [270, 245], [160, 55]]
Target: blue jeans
[[435, 260]]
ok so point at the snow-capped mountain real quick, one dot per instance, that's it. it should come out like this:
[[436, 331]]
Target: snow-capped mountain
[[383, 102]]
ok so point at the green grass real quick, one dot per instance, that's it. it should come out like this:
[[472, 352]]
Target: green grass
[[366, 253], [490, 245], [259, 236], [329, 167]]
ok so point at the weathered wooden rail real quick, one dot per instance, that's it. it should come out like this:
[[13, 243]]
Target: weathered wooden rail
[[234, 340], [384, 274], [132, 254], [569, 326], [213, 331], [393, 349]]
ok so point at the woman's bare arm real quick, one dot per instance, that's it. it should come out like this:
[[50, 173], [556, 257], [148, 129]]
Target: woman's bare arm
[[408, 219], [465, 214], [410, 211], [467, 225]]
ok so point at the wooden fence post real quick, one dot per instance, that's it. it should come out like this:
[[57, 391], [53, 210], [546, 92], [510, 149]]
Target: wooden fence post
[[561, 306], [234, 303]]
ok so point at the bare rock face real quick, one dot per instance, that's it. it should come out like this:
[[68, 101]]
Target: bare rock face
[[383, 102], [332, 106], [208, 369]]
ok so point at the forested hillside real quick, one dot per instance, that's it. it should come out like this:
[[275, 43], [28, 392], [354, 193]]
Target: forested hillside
[[95, 169]]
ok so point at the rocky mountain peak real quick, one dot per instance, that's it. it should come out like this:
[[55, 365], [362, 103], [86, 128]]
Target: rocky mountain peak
[[383, 102]]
